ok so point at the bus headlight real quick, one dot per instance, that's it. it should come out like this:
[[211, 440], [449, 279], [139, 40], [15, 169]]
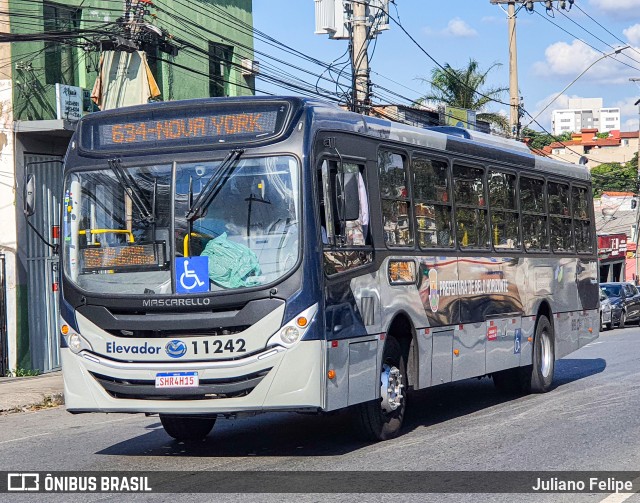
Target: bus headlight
[[295, 329], [289, 334], [77, 343]]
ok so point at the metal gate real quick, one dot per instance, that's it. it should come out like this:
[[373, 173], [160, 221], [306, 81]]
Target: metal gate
[[42, 264], [4, 346]]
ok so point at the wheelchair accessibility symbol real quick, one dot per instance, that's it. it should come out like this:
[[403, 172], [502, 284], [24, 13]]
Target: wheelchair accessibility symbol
[[192, 274]]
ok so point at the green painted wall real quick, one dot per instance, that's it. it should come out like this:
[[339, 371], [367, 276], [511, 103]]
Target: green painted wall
[[181, 77]]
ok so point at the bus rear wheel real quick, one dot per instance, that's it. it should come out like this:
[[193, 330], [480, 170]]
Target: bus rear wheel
[[537, 378], [187, 427], [381, 419]]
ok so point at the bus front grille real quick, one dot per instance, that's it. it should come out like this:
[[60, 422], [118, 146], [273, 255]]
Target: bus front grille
[[208, 389]]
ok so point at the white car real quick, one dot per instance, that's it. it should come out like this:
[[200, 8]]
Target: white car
[[606, 311]]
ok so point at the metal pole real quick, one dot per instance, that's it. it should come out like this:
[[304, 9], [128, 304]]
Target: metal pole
[[638, 179], [513, 70], [360, 56]]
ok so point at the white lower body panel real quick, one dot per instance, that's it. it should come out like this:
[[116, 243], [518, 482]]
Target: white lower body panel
[[295, 381]]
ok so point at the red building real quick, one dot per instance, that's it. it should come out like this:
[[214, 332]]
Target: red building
[[612, 257]]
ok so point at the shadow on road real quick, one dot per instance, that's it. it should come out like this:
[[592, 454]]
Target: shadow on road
[[574, 369], [290, 434]]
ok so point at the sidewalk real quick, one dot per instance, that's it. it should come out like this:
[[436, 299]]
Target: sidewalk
[[19, 393]]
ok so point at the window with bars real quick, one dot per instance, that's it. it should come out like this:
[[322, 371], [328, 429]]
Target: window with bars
[[59, 57], [220, 60]]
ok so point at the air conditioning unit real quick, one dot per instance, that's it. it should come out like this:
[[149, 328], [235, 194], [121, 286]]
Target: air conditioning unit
[[250, 67]]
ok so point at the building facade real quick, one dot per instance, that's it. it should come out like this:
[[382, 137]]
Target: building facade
[[194, 49], [585, 113], [618, 147]]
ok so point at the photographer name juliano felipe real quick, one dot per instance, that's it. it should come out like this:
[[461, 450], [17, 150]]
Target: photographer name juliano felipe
[[593, 484]]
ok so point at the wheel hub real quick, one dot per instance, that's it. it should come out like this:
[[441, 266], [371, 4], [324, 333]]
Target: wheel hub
[[391, 388], [546, 356]]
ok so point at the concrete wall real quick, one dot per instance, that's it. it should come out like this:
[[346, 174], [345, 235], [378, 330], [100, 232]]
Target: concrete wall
[[620, 153]]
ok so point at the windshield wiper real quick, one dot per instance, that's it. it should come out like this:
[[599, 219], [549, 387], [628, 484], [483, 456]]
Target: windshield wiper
[[213, 186], [133, 190]]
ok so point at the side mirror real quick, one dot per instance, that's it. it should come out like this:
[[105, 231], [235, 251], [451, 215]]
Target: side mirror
[[347, 196], [30, 195]]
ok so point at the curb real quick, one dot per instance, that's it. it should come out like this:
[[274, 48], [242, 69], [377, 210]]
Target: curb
[[48, 401]]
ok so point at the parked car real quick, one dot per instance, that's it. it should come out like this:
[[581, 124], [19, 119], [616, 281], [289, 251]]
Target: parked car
[[625, 302], [606, 311]]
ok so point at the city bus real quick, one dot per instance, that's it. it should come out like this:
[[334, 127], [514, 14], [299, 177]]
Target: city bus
[[233, 256]]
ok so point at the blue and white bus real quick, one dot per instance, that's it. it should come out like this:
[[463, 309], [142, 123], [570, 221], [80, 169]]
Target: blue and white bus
[[247, 255]]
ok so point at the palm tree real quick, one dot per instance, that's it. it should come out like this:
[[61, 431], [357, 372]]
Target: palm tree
[[463, 88]]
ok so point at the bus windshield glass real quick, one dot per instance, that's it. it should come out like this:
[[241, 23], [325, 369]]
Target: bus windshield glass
[[124, 226]]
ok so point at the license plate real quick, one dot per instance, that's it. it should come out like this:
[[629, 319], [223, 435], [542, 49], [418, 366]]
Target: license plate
[[177, 380]]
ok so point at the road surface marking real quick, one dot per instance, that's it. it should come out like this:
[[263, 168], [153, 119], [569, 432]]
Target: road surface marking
[[52, 432], [620, 497]]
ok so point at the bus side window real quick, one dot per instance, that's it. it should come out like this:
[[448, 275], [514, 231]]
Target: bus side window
[[560, 217], [432, 196], [534, 214], [581, 219], [341, 229], [505, 219], [335, 231], [471, 207], [394, 193]]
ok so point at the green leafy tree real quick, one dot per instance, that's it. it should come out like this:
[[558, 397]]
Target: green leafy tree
[[614, 176], [540, 140], [465, 88]]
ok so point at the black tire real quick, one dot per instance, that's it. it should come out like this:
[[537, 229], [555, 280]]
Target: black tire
[[374, 421], [623, 319], [609, 325], [537, 378], [187, 427]]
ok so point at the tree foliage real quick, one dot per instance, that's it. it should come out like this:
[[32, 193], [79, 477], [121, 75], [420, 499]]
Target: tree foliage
[[540, 140], [465, 88], [614, 176]]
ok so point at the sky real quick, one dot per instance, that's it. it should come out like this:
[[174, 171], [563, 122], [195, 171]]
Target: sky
[[550, 56]]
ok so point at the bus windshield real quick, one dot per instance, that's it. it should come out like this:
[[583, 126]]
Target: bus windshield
[[124, 225]]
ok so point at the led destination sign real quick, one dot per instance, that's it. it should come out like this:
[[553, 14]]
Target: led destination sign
[[173, 128]]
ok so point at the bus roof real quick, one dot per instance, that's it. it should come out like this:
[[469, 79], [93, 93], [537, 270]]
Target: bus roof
[[453, 139]]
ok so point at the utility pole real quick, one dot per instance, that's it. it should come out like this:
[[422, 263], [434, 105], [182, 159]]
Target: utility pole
[[360, 57], [637, 230], [356, 21], [514, 116]]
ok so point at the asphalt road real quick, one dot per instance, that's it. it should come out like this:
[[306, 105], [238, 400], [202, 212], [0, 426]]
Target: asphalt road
[[590, 421]]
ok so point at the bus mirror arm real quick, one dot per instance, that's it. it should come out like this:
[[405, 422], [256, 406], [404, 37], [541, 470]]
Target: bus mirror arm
[[29, 199]]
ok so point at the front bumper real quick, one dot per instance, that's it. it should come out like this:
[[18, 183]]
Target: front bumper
[[276, 379]]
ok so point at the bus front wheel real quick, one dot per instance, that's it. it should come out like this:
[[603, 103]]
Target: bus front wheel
[[381, 419], [187, 427], [537, 378]]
